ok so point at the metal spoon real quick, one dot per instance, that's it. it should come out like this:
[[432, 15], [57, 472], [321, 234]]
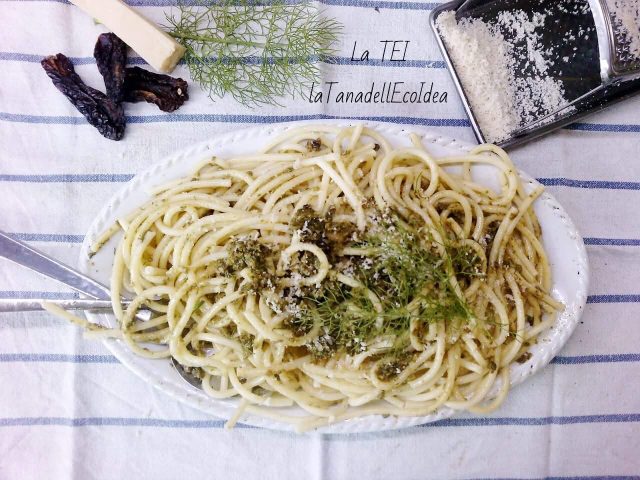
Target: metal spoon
[[29, 257], [37, 261], [190, 378], [34, 304]]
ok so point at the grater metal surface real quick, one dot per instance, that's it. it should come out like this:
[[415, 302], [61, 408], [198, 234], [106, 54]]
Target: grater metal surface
[[589, 55], [623, 61]]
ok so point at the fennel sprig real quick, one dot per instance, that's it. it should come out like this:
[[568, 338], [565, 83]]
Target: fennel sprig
[[410, 279], [256, 53]]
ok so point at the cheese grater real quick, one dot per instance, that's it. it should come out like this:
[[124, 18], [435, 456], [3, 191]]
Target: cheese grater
[[616, 58], [592, 54]]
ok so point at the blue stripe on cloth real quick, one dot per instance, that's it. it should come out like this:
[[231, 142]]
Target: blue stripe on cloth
[[59, 120], [431, 122], [125, 177], [27, 294], [36, 58], [615, 298], [68, 178], [337, 3], [215, 424], [602, 358], [374, 62], [625, 242], [55, 358], [47, 237], [590, 184], [111, 422], [331, 60], [603, 127], [536, 421], [254, 119], [109, 359], [260, 119], [380, 4]]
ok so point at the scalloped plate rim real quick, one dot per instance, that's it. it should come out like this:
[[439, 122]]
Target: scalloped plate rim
[[178, 389]]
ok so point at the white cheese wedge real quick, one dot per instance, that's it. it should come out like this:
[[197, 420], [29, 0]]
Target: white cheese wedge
[[155, 46]]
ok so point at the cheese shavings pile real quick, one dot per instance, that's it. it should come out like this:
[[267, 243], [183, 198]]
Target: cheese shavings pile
[[486, 58], [626, 17]]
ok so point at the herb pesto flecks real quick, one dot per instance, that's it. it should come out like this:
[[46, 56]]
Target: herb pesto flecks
[[404, 277], [406, 273]]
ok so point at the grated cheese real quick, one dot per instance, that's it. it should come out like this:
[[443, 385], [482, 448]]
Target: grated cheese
[[486, 61], [626, 18]]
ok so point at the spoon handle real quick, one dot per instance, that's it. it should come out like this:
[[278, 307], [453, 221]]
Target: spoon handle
[[33, 304], [29, 257]]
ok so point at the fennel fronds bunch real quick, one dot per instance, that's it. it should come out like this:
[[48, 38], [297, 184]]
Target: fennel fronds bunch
[[411, 281], [254, 52]]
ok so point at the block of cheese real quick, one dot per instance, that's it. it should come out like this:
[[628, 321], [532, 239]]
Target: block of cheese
[[156, 47]]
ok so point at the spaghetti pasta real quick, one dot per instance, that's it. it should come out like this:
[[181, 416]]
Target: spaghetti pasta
[[340, 275]]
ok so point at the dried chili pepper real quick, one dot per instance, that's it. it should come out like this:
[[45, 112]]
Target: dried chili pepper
[[105, 112], [166, 92], [99, 110], [110, 53], [135, 84]]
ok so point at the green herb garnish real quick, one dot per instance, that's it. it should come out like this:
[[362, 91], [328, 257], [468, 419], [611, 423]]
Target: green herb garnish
[[408, 275], [251, 254], [253, 52]]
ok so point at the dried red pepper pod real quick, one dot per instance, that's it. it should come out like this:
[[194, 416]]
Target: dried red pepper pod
[[99, 110], [135, 84], [110, 53], [168, 93]]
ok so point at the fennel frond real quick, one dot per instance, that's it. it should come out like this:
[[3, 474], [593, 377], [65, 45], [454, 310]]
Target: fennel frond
[[254, 52]]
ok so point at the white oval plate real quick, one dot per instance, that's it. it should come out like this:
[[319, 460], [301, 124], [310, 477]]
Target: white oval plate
[[562, 241]]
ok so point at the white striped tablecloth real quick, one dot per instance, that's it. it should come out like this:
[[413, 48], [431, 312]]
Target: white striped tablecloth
[[69, 410]]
